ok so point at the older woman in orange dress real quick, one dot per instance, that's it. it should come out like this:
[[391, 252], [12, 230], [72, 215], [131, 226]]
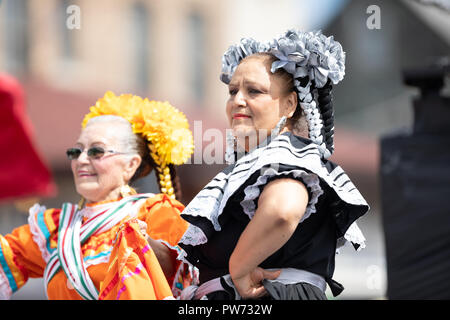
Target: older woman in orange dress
[[116, 243]]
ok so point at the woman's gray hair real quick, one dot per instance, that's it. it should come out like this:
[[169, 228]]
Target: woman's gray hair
[[128, 141]]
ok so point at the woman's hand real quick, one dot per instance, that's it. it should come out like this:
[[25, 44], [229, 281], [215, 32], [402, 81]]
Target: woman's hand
[[162, 252], [143, 229], [250, 285]]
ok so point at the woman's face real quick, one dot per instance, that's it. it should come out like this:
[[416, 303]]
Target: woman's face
[[257, 101], [101, 179]]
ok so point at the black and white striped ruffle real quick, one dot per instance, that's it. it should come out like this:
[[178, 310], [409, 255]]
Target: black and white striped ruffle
[[286, 150]]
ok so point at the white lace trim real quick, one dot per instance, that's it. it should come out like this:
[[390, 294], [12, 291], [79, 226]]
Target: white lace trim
[[310, 179], [193, 236], [36, 232], [5, 289], [208, 201], [182, 256], [89, 212], [352, 235]]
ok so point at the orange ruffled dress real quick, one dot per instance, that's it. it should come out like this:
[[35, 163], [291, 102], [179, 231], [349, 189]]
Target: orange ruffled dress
[[119, 261]]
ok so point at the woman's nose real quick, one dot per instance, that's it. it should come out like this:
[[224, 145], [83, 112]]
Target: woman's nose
[[83, 157], [239, 99]]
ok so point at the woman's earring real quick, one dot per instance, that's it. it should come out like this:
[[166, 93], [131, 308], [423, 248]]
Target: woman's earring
[[230, 147], [280, 125], [81, 203], [126, 191]]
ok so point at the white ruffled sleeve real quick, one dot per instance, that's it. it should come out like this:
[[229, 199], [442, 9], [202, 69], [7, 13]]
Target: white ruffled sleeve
[[310, 180], [5, 289], [38, 236], [353, 235]]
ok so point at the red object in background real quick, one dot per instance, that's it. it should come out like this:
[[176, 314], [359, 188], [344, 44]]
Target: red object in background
[[22, 172]]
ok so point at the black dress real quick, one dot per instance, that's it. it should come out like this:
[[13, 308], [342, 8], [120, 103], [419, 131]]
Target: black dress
[[221, 211]]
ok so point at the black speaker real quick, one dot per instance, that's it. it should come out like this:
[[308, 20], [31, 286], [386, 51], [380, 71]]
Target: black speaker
[[415, 193]]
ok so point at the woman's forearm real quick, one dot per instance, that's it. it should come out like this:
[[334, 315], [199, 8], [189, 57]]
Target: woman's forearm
[[162, 252], [261, 238], [163, 255], [280, 208]]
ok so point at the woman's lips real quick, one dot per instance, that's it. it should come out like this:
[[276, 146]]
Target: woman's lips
[[240, 115], [85, 174]]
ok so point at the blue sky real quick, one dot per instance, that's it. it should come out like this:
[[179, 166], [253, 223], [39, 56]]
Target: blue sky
[[318, 13]]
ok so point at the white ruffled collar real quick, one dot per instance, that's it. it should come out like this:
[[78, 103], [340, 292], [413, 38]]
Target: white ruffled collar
[[94, 209]]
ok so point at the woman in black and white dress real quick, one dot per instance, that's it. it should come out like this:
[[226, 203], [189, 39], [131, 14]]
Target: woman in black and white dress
[[269, 224]]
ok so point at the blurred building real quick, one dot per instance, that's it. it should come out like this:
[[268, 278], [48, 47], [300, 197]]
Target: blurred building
[[165, 50], [171, 50]]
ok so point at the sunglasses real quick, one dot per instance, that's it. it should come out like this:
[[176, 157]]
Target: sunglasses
[[92, 153]]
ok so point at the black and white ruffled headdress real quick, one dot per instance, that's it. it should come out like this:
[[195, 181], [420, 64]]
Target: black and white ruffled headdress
[[315, 61]]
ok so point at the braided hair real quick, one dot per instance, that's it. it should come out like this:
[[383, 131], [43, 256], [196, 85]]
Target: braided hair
[[148, 164], [325, 99]]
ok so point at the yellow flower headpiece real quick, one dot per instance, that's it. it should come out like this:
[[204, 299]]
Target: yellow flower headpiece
[[164, 127]]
